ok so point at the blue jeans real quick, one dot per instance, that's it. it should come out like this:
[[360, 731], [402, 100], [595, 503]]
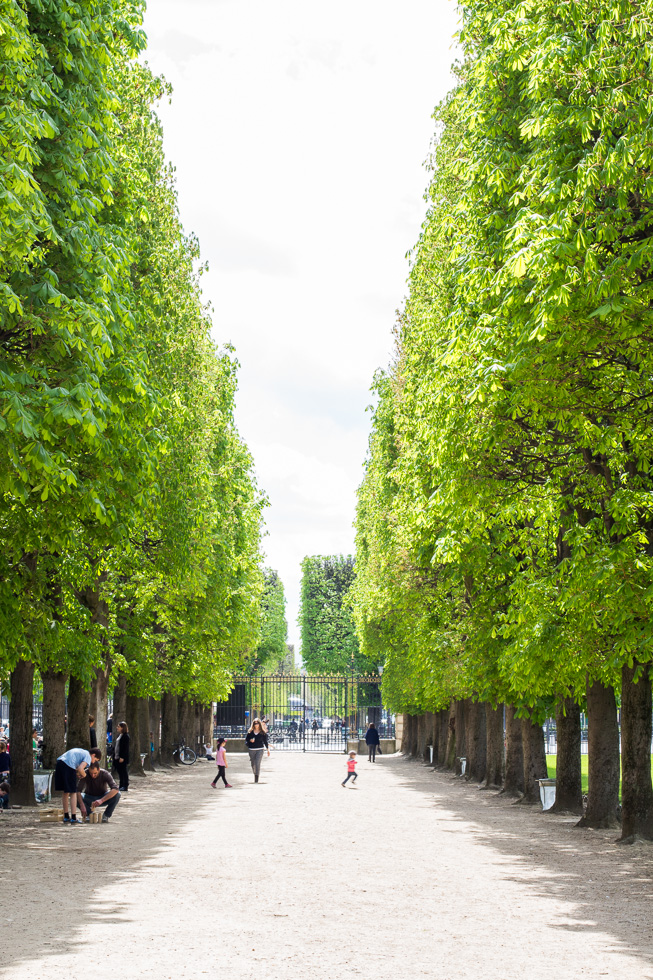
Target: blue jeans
[[110, 804]]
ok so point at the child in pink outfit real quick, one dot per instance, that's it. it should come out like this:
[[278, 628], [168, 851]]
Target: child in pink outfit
[[222, 764], [351, 768]]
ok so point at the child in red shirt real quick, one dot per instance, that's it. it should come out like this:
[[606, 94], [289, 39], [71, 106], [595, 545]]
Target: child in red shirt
[[351, 768]]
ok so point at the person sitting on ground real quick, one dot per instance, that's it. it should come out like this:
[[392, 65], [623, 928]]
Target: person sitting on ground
[[97, 788], [71, 766], [5, 760], [4, 795]]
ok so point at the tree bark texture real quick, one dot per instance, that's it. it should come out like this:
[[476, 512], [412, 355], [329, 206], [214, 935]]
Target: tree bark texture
[[443, 737], [155, 728], [54, 713], [636, 786], [420, 748], [169, 728], [569, 790], [21, 686], [435, 736], [144, 733], [452, 737], [476, 742], [207, 724], [186, 721], [603, 758], [413, 734], [513, 782], [133, 723], [534, 759], [77, 736], [119, 704], [101, 709], [461, 726], [493, 747]]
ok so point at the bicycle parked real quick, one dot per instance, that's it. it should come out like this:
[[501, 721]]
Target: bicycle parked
[[184, 754]]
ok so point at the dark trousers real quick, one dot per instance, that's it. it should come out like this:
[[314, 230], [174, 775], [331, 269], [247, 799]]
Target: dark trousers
[[371, 753], [349, 776], [110, 804], [122, 768], [222, 774]]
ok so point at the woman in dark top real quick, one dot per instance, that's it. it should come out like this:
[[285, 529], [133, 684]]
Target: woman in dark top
[[121, 756], [256, 741], [373, 741], [92, 734], [5, 761]]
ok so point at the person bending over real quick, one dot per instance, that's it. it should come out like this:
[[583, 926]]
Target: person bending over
[[98, 788], [70, 767]]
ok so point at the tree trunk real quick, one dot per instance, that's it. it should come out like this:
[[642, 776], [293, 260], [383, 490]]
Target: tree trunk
[[207, 724], [119, 704], [185, 724], [513, 783], [603, 758], [21, 686], [54, 712], [461, 732], [435, 736], [569, 791], [199, 729], [452, 739], [169, 727], [413, 733], [421, 737], [144, 732], [155, 728], [101, 708], [444, 738], [133, 722], [534, 760], [476, 742], [78, 704], [493, 747], [636, 786]]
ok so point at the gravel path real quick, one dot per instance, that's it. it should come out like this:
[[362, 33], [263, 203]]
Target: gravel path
[[409, 874]]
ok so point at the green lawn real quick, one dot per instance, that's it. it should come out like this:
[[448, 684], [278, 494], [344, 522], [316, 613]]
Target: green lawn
[[551, 766]]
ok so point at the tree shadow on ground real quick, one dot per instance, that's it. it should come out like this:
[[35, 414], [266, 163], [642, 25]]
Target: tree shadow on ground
[[606, 886], [52, 876]]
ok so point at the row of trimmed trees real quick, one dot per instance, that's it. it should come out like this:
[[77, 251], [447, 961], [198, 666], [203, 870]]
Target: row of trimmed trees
[[129, 515], [505, 523]]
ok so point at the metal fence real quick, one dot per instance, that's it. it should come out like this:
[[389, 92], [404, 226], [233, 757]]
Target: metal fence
[[305, 712]]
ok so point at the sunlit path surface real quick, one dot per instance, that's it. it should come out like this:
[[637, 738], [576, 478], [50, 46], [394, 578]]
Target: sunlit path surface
[[410, 874]]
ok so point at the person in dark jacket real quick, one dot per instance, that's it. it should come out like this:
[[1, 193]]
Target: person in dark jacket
[[92, 734], [121, 756], [373, 741], [256, 741]]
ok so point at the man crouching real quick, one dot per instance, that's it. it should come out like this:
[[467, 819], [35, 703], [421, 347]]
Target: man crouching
[[97, 788]]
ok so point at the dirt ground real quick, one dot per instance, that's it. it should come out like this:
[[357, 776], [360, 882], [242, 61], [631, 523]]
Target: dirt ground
[[409, 874]]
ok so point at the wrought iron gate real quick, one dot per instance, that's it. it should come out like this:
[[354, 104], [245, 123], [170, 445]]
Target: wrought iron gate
[[305, 712]]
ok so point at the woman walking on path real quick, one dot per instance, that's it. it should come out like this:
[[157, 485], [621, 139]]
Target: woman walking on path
[[223, 765], [256, 740], [121, 756], [373, 742]]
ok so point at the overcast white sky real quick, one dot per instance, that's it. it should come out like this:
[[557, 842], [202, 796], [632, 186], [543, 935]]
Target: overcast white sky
[[299, 130]]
